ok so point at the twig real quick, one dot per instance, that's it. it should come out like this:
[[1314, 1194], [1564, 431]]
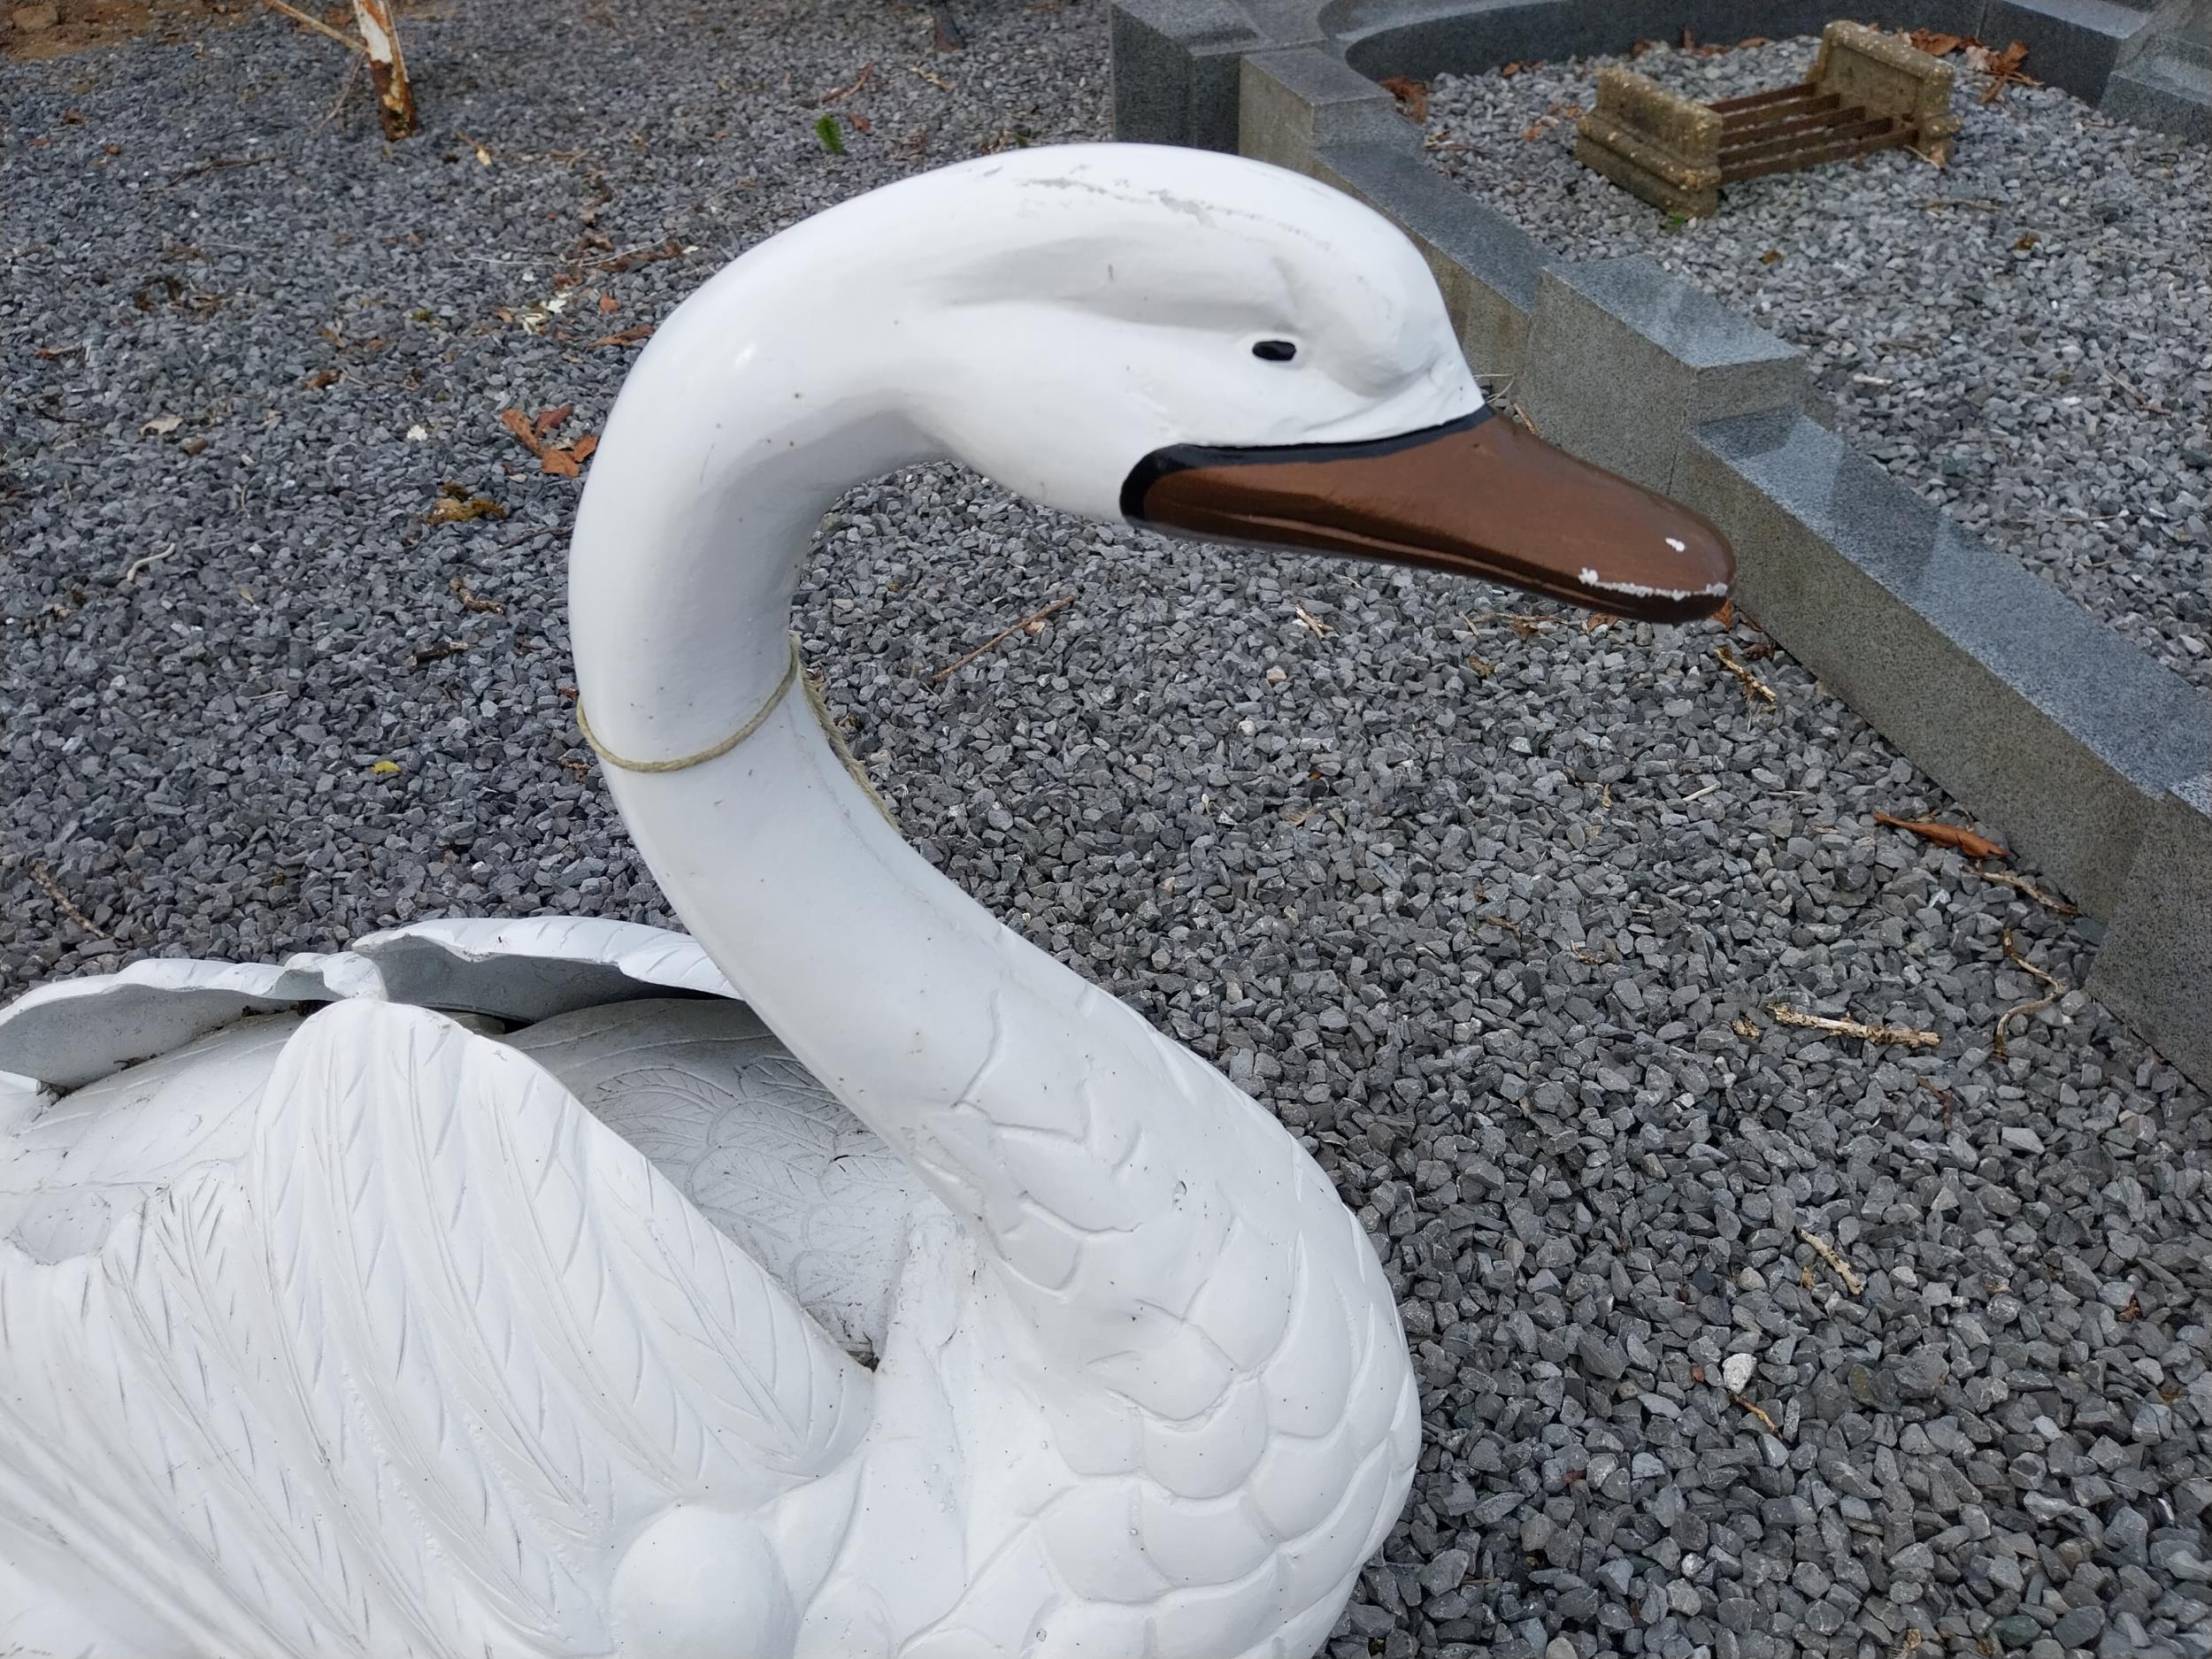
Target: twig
[[1997, 1047], [1772, 1427], [471, 600], [45, 878], [1522, 415], [320, 27], [940, 84], [1511, 927], [843, 93], [1306, 618], [2005, 877], [194, 171], [1902, 1035], [1909, 1645], [1976, 203], [345, 91], [543, 529], [130, 570], [1700, 796], [1001, 637], [1826, 1251], [1753, 686]]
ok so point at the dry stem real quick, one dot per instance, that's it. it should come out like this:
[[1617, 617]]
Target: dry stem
[[320, 27], [1852, 1282], [2021, 884], [45, 878], [1001, 637], [1772, 1427], [1903, 1034], [1753, 686], [1997, 1046]]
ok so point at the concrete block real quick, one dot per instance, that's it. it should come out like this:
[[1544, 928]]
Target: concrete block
[[1623, 359], [1175, 70], [1295, 101], [2164, 92], [1486, 264], [2156, 968], [2045, 724], [2071, 43]]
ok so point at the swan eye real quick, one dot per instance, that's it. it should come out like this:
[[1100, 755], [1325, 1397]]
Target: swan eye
[[1274, 351]]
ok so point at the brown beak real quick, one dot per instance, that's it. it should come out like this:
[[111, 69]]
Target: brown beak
[[1476, 496]]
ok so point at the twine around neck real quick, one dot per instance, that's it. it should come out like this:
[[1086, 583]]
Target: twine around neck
[[794, 670]]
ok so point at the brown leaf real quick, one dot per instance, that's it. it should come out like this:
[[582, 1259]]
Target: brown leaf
[[1972, 845], [1596, 621], [1412, 96], [2028, 240], [1935, 43], [559, 462], [320, 379], [585, 447], [1726, 617], [549, 418], [456, 506], [1773, 256], [608, 303], [632, 337], [518, 423]]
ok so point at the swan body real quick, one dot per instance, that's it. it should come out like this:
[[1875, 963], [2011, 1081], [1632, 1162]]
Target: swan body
[[849, 1277]]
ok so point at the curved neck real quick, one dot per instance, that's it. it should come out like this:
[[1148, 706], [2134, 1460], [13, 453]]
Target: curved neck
[[1109, 1178]]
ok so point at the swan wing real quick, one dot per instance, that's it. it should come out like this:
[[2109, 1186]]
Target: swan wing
[[748, 1134], [533, 967], [404, 1377]]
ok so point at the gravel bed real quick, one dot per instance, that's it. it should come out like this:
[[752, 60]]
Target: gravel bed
[[1491, 906], [2025, 337]]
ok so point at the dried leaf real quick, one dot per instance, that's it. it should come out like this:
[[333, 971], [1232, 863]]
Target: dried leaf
[[162, 425], [1412, 96], [2028, 240], [635, 336], [518, 423], [1973, 845], [549, 418], [456, 506], [585, 447], [1934, 42], [559, 462], [608, 303], [1596, 621], [1726, 617], [1773, 256]]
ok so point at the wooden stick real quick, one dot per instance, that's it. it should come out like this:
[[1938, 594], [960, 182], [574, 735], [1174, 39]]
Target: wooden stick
[[45, 878], [2021, 884], [1001, 637], [388, 70], [307, 21]]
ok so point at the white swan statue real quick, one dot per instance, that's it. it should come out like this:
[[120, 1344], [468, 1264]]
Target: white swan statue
[[511, 1288]]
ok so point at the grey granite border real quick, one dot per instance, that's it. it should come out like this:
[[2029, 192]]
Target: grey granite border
[[2092, 760], [1175, 81]]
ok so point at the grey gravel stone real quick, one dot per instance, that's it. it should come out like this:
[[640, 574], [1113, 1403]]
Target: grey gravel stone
[[1393, 878]]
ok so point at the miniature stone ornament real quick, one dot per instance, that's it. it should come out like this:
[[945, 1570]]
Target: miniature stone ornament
[[849, 1278]]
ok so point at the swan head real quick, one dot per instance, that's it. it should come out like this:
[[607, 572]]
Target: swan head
[[1223, 350]]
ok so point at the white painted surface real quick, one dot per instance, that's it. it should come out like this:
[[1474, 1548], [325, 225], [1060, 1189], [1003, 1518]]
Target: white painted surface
[[359, 1332]]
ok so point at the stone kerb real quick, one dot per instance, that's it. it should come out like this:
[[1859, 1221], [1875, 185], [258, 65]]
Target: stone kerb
[[2154, 970]]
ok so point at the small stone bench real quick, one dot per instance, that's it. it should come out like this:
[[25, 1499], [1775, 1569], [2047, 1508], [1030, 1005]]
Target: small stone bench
[[1866, 91]]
